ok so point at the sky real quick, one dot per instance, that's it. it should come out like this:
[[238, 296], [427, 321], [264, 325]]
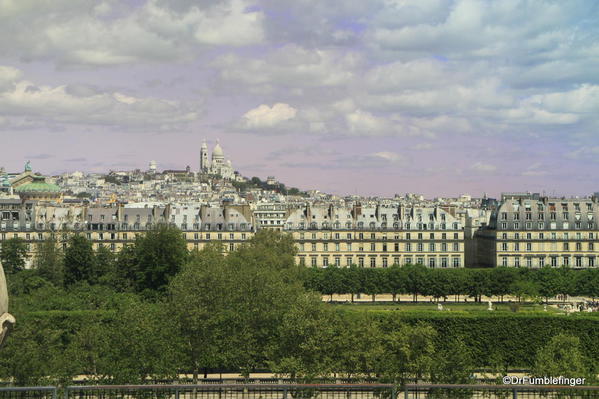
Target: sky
[[370, 97]]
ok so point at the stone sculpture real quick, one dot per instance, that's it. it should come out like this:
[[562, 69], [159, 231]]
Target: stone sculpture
[[6, 319]]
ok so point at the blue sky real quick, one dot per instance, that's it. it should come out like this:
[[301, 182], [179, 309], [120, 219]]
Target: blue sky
[[370, 97]]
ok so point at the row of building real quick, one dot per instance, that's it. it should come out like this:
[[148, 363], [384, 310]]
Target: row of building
[[522, 231]]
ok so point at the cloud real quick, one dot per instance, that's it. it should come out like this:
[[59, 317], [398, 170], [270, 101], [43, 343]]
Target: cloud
[[33, 105], [483, 168], [267, 117], [110, 34], [363, 122], [40, 156], [391, 157], [290, 66], [8, 77], [587, 153]]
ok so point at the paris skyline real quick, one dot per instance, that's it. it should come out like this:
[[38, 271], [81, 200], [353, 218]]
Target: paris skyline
[[374, 98]]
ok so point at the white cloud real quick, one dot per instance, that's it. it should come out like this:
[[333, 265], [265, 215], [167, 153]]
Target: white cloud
[[95, 34], [30, 105], [389, 156], [290, 66], [363, 122], [267, 117], [8, 77], [482, 167]]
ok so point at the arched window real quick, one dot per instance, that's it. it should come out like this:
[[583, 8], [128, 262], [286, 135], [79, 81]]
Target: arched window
[[396, 226], [360, 225], [372, 225]]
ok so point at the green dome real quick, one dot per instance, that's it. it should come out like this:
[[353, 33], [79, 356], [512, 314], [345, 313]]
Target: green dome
[[38, 185]]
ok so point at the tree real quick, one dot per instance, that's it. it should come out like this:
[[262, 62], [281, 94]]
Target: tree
[[357, 345], [159, 255], [409, 353], [396, 280], [13, 255], [79, 261], [455, 364], [105, 265], [501, 279], [302, 345], [438, 284], [230, 308], [547, 279], [562, 356], [49, 261], [198, 303], [415, 277]]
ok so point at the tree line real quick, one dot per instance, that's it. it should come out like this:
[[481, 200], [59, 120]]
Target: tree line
[[418, 280]]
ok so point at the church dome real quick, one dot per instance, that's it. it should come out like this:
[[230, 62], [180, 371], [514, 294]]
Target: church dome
[[217, 152]]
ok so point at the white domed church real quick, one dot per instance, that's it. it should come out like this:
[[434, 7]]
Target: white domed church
[[218, 165]]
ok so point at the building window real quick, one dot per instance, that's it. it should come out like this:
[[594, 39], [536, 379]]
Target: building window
[[361, 261], [591, 261], [504, 261], [337, 261], [348, 261], [384, 262], [396, 261], [578, 261], [517, 261], [554, 261], [431, 262], [456, 262], [528, 262], [372, 262], [325, 261]]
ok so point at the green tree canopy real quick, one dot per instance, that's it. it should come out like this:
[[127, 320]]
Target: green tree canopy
[[79, 261], [13, 255]]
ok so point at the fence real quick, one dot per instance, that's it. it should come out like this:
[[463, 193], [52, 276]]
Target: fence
[[233, 391], [438, 391], [28, 393]]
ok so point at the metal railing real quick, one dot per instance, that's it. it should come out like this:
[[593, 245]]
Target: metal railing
[[438, 391], [233, 391], [28, 393]]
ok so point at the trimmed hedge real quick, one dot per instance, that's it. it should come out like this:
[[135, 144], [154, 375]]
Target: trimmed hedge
[[513, 337]]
